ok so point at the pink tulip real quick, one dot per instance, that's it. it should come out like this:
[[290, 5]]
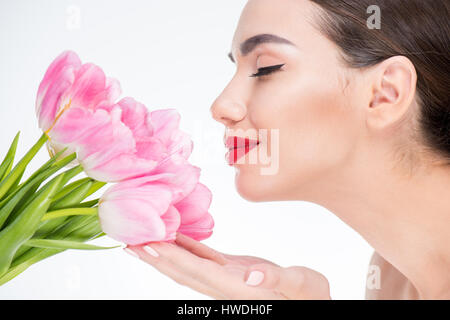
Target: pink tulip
[[154, 208], [156, 133], [113, 141], [166, 126], [123, 141], [138, 211], [105, 146], [158, 192], [68, 83], [196, 222]]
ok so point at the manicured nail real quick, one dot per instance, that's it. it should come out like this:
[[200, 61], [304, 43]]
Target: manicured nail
[[255, 278], [131, 252], [151, 251]]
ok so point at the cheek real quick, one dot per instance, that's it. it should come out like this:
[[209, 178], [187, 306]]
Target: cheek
[[317, 126]]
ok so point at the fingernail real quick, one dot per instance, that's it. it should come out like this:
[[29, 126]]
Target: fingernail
[[151, 251], [255, 278], [131, 252]]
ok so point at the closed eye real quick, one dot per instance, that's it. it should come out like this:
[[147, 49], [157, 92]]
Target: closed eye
[[267, 70]]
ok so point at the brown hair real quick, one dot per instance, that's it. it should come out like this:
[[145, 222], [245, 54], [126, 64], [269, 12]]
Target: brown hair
[[416, 29]]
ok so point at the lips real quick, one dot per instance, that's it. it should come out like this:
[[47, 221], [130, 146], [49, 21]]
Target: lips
[[238, 147]]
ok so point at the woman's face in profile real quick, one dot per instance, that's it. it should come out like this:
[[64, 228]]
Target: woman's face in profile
[[290, 80]]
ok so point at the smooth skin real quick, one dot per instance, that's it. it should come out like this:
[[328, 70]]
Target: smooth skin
[[348, 141]]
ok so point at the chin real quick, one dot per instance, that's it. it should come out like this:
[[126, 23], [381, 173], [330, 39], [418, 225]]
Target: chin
[[250, 194], [252, 186]]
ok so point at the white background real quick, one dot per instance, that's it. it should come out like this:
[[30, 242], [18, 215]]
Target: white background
[[165, 54]]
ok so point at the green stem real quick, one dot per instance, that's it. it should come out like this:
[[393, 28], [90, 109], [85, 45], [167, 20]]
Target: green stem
[[44, 167], [26, 223], [18, 170], [64, 244], [80, 228], [7, 163], [87, 204], [19, 199], [70, 187], [69, 212]]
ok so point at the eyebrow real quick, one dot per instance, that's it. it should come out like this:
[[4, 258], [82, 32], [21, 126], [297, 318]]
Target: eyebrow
[[252, 43]]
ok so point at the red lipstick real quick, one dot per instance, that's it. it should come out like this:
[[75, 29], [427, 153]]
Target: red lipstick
[[238, 147]]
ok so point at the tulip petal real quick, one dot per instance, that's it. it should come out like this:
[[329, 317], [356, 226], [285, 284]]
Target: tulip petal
[[172, 221], [134, 116], [141, 181], [181, 144], [185, 176], [199, 230], [122, 167], [130, 229], [105, 146], [134, 216], [194, 205], [151, 148], [113, 89], [91, 87], [165, 122], [58, 78]]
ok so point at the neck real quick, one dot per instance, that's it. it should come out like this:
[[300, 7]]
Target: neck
[[403, 214]]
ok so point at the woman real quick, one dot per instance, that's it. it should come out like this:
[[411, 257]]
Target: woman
[[363, 121]]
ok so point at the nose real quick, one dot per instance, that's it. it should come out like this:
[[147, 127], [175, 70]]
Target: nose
[[228, 108]]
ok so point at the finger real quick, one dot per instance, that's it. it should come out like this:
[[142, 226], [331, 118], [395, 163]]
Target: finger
[[263, 276], [152, 259], [247, 260], [292, 282], [218, 284], [209, 273], [206, 252], [313, 284], [199, 249], [173, 273], [192, 266]]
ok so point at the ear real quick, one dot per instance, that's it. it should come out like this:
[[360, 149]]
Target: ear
[[393, 86]]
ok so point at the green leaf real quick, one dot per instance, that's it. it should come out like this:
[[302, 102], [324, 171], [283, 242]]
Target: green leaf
[[97, 185], [78, 228], [89, 231], [69, 174], [100, 235], [59, 231], [8, 204], [43, 168], [14, 272], [8, 161], [69, 212], [73, 198], [70, 187], [87, 204], [26, 223], [74, 224], [20, 167], [63, 244], [68, 201], [16, 183], [11, 206], [48, 226]]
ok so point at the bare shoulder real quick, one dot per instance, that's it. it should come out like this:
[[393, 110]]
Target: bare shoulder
[[385, 282]]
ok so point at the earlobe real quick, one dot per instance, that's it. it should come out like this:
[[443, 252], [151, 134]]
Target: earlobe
[[393, 91]]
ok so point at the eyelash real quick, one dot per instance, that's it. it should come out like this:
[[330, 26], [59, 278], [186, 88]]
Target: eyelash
[[267, 70]]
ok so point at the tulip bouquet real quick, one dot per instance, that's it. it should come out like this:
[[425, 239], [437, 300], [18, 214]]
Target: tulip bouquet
[[140, 155]]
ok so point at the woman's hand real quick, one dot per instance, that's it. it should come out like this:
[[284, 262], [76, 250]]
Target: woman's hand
[[221, 276]]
